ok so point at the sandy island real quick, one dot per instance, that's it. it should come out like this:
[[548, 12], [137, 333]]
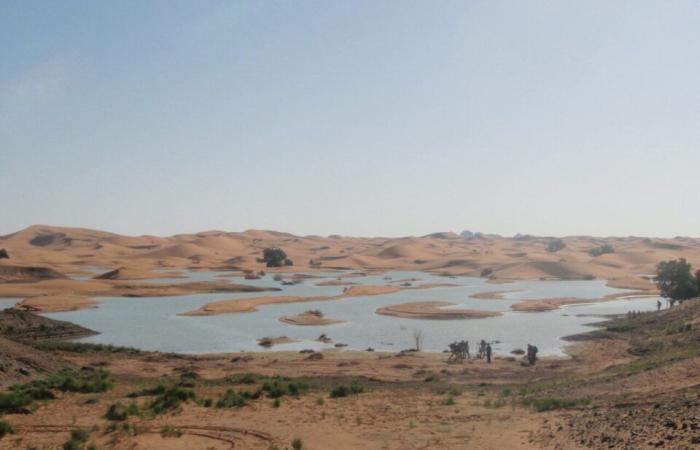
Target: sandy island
[[56, 303], [309, 318], [433, 310]]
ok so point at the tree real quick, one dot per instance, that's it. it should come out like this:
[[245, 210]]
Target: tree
[[555, 245], [276, 257], [603, 249], [675, 281], [3, 253]]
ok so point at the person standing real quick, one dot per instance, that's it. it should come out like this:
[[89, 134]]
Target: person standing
[[658, 305], [488, 353]]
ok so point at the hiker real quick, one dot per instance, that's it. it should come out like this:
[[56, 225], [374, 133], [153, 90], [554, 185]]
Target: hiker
[[482, 349], [533, 359], [488, 353], [658, 305]]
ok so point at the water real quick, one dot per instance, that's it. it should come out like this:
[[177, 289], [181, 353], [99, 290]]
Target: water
[[154, 324]]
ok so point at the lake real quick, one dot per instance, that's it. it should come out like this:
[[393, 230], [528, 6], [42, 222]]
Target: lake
[[154, 324]]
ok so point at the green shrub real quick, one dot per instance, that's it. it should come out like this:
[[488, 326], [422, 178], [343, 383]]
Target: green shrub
[[297, 444], [86, 380], [171, 398], [84, 347], [242, 378], [13, 401], [5, 428], [116, 412], [549, 404], [231, 399], [344, 391], [77, 440]]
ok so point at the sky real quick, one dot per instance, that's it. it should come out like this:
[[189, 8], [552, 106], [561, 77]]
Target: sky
[[367, 118]]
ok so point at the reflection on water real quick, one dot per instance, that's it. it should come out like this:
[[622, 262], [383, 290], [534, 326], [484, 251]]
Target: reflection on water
[[153, 323]]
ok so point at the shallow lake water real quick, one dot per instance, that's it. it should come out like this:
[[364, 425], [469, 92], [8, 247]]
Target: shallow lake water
[[154, 324]]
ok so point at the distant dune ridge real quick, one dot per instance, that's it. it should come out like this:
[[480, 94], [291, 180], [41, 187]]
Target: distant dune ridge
[[70, 250]]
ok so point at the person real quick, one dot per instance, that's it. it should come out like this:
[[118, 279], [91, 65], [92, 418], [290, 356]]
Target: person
[[534, 355], [467, 349], [488, 353], [482, 349], [658, 305]]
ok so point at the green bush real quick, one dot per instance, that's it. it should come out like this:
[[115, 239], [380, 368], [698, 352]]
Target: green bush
[[242, 378], [77, 440], [171, 398], [86, 380], [549, 404], [5, 428], [297, 444], [83, 347], [344, 391], [231, 399]]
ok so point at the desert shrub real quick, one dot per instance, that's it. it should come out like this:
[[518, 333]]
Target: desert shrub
[[344, 391], [602, 250], [549, 404], [5, 428], [231, 399], [242, 378], [297, 444], [157, 390], [116, 412], [486, 272], [171, 398], [13, 401], [555, 245], [84, 347], [449, 401], [77, 440], [277, 388], [170, 431], [86, 380]]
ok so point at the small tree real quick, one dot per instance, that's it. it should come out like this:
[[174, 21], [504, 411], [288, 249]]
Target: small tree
[[555, 245], [276, 257], [602, 250], [675, 281]]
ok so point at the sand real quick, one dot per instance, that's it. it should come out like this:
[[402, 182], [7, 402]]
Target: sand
[[56, 303], [493, 295], [433, 310], [251, 304], [308, 318]]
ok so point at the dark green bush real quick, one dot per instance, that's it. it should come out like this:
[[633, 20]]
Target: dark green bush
[[5, 428], [344, 391]]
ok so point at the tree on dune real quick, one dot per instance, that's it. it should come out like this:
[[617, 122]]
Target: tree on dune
[[555, 245], [276, 257]]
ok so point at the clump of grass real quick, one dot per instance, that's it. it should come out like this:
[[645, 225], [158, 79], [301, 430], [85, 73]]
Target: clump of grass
[[171, 398], [507, 392], [277, 403], [277, 389], [233, 399], [549, 404], [83, 347], [344, 391], [242, 378], [77, 440], [449, 401], [86, 380], [118, 412], [170, 431], [297, 444], [320, 401], [5, 428]]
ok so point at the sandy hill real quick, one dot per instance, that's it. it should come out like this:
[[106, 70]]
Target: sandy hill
[[68, 250]]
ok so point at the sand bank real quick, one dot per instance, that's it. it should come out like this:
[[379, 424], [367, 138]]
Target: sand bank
[[433, 310], [233, 306], [56, 303], [308, 318]]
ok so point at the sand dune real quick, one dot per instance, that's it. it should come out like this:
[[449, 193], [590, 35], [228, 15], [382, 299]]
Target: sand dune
[[67, 250]]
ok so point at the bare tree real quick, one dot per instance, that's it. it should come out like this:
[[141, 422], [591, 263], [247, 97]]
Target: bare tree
[[418, 339]]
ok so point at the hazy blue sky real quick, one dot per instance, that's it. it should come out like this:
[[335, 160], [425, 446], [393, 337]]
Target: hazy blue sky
[[351, 117]]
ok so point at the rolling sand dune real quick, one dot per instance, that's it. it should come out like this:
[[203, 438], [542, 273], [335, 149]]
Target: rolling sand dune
[[70, 250]]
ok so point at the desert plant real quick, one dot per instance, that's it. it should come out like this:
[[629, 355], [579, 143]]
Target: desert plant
[[555, 245]]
